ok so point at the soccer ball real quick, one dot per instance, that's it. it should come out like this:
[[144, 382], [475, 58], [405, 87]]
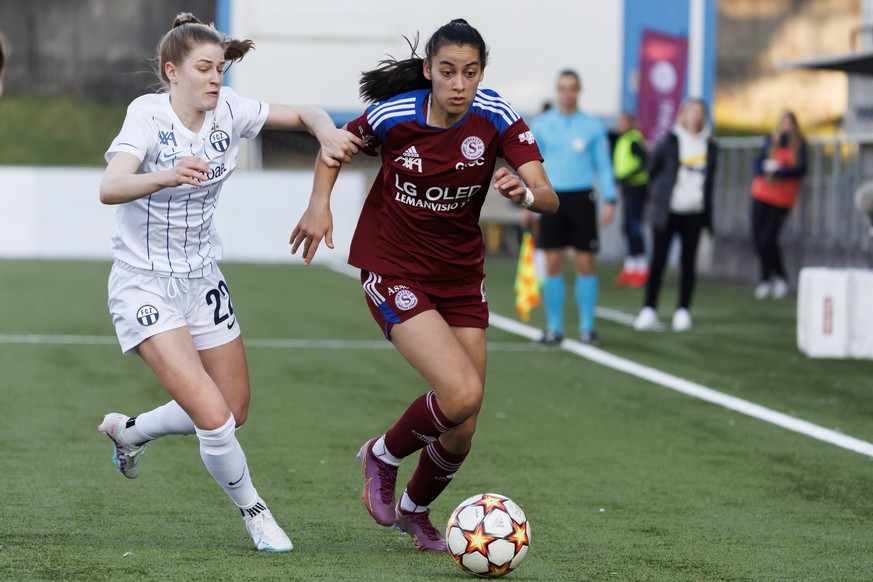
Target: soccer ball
[[488, 535]]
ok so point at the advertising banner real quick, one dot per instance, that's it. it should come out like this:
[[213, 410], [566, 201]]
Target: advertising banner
[[663, 66]]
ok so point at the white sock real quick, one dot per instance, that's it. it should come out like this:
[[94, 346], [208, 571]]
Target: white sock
[[640, 264], [406, 504], [255, 508], [226, 462], [380, 451], [629, 264], [163, 420]]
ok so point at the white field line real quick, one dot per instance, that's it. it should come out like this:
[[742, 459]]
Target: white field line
[[691, 388], [674, 382], [509, 325], [621, 317]]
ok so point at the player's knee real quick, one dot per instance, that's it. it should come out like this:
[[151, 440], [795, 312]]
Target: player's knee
[[465, 402]]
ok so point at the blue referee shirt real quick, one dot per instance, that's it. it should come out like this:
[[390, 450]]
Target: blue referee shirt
[[576, 152]]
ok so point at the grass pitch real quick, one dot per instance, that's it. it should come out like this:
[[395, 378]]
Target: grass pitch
[[621, 479]]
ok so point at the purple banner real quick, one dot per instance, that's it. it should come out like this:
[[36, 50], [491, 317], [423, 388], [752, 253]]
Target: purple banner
[[663, 66]]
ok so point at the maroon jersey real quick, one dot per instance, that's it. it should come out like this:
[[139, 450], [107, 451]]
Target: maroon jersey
[[421, 217]]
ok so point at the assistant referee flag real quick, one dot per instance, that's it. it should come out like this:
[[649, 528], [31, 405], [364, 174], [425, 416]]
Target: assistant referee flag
[[527, 286]]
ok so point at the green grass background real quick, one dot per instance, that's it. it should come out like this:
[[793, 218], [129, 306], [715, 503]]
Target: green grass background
[[43, 131], [621, 479]]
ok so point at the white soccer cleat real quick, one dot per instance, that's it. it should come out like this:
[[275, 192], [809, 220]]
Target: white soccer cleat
[[681, 320], [647, 320], [780, 288], [126, 456], [763, 290], [266, 533]]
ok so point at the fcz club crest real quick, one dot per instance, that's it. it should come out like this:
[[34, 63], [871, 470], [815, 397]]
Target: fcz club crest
[[147, 315], [219, 140]]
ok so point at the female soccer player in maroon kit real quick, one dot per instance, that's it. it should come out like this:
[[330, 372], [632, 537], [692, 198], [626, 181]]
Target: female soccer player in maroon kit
[[420, 250]]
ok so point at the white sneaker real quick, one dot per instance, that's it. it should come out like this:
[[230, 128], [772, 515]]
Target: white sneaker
[[763, 290], [126, 456], [780, 288], [266, 533], [681, 320], [646, 320]]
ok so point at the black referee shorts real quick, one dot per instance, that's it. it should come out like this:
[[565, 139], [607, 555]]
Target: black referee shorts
[[574, 225]]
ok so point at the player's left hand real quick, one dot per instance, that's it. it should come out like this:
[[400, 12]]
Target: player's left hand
[[509, 185], [338, 146], [608, 214]]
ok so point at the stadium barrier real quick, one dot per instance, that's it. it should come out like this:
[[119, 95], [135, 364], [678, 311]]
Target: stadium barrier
[[55, 213], [835, 313]]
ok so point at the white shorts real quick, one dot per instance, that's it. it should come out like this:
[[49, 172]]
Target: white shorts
[[145, 305]]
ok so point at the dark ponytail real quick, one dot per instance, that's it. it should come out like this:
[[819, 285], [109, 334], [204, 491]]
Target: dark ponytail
[[393, 77]]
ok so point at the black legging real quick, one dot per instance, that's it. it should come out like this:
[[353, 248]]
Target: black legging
[[634, 198], [689, 227], [767, 221]]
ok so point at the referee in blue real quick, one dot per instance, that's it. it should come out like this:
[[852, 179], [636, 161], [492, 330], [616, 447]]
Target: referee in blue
[[575, 147]]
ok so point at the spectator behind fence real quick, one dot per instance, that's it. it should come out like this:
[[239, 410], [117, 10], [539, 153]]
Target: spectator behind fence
[[779, 170], [629, 165], [4, 57], [575, 147], [681, 171]]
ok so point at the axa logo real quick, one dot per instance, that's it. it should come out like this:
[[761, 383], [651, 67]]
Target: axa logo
[[526, 137], [410, 158], [165, 137]]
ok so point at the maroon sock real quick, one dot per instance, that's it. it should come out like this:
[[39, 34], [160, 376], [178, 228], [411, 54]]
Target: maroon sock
[[436, 469], [422, 423]]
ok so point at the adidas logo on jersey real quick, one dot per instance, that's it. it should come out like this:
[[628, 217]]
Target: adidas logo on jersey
[[410, 158]]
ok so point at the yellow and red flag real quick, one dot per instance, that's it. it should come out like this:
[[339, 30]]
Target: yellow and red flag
[[527, 284]]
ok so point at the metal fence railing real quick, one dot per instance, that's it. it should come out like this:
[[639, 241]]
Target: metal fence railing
[[824, 230]]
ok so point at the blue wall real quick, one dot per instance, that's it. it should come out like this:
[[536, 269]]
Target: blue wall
[[670, 17], [222, 23]]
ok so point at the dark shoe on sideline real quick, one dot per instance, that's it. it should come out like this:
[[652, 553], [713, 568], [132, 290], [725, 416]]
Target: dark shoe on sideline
[[551, 338]]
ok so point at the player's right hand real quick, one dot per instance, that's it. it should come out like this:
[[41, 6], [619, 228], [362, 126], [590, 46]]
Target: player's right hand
[[190, 171]]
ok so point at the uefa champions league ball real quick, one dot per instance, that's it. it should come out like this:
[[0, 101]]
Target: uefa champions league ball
[[488, 535]]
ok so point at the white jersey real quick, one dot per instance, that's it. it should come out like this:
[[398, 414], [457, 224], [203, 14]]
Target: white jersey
[[170, 232]]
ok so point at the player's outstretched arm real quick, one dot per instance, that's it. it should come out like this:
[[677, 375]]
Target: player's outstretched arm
[[338, 146], [544, 200], [121, 183], [316, 224]]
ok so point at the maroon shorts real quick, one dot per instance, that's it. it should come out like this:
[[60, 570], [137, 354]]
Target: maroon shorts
[[395, 300]]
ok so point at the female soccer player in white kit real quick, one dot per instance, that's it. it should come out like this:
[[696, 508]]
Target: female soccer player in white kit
[[168, 299]]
